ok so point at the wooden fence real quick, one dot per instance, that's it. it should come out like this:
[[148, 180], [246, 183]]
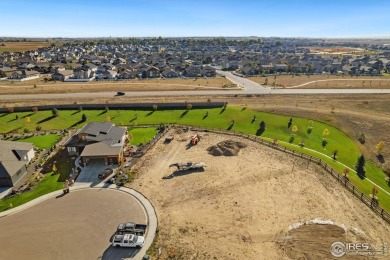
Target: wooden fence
[[372, 204]]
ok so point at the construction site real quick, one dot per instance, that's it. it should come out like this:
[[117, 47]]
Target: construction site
[[248, 200]]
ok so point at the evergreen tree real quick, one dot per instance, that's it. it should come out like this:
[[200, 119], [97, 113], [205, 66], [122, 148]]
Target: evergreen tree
[[54, 112], [84, 118], [360, 169], [290, 122]]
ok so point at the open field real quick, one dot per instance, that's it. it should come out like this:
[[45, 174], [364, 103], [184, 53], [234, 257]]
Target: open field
[[39, 86], [241, 206], [276, 127], [22, 46], [336, 51], [325, 81]]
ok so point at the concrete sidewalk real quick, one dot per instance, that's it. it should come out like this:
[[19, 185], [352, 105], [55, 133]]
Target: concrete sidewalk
[[151, 215]]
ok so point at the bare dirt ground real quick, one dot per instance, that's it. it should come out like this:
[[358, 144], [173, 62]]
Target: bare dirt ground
[[22, 46], [325, 81], [335, 50], [241, 206], [39, 86]]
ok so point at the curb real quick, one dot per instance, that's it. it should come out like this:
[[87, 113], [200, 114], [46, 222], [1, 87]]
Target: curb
[[150, 211]]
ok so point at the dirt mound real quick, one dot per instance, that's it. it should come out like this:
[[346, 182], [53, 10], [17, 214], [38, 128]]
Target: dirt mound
[[313, 241], [226, 148]]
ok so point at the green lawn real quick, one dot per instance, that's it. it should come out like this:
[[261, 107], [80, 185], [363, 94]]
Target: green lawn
[[42, 141], [142, 135], [276, 127], [49, 184]]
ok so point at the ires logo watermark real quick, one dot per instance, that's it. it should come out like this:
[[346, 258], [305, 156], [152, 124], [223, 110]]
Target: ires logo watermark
[[338, 249]]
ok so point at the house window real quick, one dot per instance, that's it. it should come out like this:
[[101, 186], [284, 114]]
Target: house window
[[71, 149], [18, 172]]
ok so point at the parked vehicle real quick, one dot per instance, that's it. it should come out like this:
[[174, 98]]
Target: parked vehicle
[[128, 240], [131, 228], [104, 174]]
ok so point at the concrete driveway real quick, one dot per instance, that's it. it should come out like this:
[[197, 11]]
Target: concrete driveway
[[75, 226], [89, 174]]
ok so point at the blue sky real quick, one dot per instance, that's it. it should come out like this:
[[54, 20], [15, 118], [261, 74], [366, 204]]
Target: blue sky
[[134, 18]]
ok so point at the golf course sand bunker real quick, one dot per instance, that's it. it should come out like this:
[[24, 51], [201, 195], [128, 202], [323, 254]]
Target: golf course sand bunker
[[226, 148], [241, 206]]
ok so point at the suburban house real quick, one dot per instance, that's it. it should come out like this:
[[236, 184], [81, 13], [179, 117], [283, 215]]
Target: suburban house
[[108, 74], [14, 156], [24, 74], [192, 71], [81, 73], [169, 73], [151, 72], [128, 74], [62, 75], [102, 141]]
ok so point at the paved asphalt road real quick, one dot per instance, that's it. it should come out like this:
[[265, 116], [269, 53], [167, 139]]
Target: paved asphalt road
[[75, 226], [244, 83], [248, 87]]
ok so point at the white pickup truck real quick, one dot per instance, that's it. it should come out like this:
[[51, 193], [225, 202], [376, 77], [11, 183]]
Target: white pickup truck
[[128, 240]]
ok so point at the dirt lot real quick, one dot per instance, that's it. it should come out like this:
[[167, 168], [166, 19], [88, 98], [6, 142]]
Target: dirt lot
[[22, 46], [325, 81], [335, 50], [241, 207], [39, 86]]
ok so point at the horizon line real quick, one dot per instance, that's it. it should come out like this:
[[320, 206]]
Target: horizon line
[[216, 36]]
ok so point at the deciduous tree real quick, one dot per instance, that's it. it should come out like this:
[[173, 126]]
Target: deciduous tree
[[294, 129], [346, 171], [325, 133], [379, 147]]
